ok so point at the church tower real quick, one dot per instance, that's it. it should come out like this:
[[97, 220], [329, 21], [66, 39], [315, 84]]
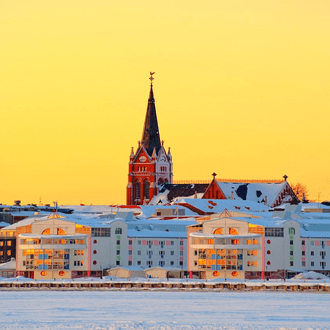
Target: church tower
[[150, 165]]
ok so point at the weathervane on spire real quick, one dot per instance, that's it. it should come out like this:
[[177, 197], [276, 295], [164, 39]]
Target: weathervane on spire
[[151, 77]]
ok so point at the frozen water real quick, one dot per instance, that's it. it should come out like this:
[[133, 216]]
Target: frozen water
[[157, 310]]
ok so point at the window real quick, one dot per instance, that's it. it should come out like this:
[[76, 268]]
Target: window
[[100, 232], [303, 253], [291, 253], [149, 263], [129, 252], [139, 262], [195, 252], [118, 242], [172, 263], [130, 263], [172, 253], [172, 242], [274, 232], [312, 263], [291, 231], [181, 263], [181, 243], [1, 243], [181, 253], [303, 263], [291, 242], [118, 231], [146, 186], [8, 253], [291, 263], [233, 231], [139, 253], [139, 242], [117, 252], [218, 231], [302, 242], [9, 243], [162, 263], [117, 263], [195, 263], [312, 253], [161, 253], [130, 242]]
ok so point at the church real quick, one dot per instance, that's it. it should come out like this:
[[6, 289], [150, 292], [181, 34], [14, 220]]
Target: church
[[150, 175], [150, 166]]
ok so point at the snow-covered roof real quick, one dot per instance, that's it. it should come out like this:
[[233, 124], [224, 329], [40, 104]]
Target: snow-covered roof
[[256, 192], [9, 265], [156, 233], [220, 205]]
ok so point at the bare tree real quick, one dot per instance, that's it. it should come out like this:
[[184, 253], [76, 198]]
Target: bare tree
[[300, 190]]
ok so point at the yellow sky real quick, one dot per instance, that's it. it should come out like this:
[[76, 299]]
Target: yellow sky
[[241, 88]]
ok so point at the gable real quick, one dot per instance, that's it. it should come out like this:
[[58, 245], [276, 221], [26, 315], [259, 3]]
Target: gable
[[55, 226], [141, 156], [214, 191]]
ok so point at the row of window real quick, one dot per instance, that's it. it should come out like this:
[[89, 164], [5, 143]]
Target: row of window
[[224, 241], [149, 263], [8, 243], [101, 232], [139, 242], [274, 232], [8, 253]]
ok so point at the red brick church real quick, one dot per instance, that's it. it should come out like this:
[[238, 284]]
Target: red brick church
[[150, 166], [150, 175]]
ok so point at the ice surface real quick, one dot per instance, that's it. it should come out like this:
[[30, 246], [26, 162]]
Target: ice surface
[[156, 310]]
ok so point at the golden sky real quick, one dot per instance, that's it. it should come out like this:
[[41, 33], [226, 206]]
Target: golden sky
[[241, 88]]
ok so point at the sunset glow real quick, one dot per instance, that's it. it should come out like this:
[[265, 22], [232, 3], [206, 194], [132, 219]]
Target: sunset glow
[[241, 89]]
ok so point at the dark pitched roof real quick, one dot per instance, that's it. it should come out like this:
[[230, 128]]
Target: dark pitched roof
[[182, 190], [150, 134]]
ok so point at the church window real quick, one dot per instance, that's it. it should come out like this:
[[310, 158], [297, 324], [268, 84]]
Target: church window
[[137, 191], [146, 186]]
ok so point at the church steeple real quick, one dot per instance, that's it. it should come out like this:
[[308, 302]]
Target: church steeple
[[150, 134]]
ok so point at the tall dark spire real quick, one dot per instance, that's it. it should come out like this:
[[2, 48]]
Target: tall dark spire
[[150, 134]]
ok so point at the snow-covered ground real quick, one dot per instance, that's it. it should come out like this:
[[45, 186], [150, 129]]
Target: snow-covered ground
[[155, 310]]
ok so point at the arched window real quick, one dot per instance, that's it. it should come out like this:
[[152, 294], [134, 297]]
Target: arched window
[[61, 231], [218, 231], [46, 232], [118, 231], [160, 181], [146, 186], [291, 231], [233, 231], [137, 191]]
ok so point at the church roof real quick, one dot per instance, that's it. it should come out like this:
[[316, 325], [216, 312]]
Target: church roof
[[150, 134], [182, 190], [258, 192]]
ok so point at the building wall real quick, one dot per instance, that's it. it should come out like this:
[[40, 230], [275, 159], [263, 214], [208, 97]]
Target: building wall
[[157, 252], [225, 249]]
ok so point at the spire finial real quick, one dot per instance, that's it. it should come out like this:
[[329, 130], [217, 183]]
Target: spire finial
[[151, 77]]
